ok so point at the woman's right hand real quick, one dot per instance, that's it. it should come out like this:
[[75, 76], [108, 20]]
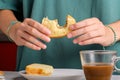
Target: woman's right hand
[[28, 32]]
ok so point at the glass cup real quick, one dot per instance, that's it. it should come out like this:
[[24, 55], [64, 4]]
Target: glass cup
[[99, 64]]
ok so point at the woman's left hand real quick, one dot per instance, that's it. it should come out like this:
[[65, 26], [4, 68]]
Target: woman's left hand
[[91, 31]]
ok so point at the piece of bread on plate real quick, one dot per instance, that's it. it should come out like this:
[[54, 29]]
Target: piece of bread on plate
[[1, 73], [58, 31], [39, 69]]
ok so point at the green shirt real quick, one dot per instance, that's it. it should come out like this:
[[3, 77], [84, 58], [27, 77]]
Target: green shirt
[[61, 53]]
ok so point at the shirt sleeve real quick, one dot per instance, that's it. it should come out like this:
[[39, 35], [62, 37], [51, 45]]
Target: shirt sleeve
[[9, 4]]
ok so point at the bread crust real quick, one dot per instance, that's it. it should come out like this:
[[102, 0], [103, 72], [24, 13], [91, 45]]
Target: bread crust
[[58, 31]]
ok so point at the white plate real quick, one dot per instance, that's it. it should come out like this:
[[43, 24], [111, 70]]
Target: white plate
[[58, 74]]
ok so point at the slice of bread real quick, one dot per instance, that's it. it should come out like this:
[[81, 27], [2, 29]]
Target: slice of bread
[[1, 73], [58, 31], [39, 69]]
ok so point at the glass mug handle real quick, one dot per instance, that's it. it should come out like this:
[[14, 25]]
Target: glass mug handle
[[115, 63]]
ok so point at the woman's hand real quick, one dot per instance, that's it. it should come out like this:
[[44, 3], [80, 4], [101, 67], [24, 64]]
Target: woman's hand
[[27, 34], [91, 31]]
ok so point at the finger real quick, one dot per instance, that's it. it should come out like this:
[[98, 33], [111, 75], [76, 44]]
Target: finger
[[82, 31], [32, 31], [87, 36], [23, 42], [84, 23], [30, 45], [96, 40], [38, 26], [33, 40]]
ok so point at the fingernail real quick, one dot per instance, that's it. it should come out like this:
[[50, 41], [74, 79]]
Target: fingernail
[[37, 48], [44, 47], [75, 41], [49, 39], [80, 43], [69, 35]]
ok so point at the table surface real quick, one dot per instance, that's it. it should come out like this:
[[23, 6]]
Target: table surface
[[11, 75]]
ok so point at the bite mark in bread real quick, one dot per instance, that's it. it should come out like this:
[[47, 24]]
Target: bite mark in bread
[[58, 31]]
